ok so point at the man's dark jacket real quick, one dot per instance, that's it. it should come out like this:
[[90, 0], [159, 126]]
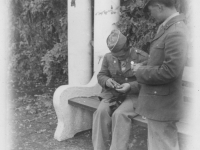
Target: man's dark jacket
[[160, 96]]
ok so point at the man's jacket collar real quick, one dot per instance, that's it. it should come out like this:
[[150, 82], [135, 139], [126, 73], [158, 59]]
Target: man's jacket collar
[[172, 21]]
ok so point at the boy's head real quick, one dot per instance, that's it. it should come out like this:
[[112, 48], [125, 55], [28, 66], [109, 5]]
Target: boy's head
[[117, 43]]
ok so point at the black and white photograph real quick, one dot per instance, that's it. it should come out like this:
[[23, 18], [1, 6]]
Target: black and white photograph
[[100, 75]]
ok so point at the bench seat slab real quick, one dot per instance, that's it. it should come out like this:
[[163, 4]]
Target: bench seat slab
[[72, 120]]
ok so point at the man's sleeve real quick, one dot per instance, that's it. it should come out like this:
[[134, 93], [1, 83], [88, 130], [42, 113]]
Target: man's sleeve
[[172, 66], [104, 73], [135, 87], [143, 57]]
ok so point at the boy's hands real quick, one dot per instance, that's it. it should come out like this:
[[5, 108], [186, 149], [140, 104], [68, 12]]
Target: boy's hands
[[112, 83], [124, 88]]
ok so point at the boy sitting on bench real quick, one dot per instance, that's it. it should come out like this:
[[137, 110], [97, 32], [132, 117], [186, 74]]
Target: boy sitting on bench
[[119, 94]]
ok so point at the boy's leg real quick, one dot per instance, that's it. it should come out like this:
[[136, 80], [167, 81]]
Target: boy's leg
[[121, 125], [101, 127]]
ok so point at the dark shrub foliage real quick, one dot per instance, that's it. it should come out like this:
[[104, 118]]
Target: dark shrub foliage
[[39, 43], [140, 27]]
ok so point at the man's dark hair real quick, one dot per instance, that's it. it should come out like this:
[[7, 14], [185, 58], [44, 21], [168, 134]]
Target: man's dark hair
[[167, 3]]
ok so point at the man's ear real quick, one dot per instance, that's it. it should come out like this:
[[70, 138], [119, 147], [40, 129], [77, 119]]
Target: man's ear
[[160, 6]]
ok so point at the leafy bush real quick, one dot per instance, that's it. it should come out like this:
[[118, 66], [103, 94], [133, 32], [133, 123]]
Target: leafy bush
[[138, 26], [39, 43], [135, 24]]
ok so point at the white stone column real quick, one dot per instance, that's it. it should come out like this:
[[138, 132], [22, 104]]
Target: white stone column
[[106, 13], [79, 37]]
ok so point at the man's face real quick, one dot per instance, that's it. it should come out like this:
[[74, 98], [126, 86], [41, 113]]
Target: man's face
[[155, 12]]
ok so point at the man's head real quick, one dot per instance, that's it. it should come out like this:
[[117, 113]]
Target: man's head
[[117, 43], [160, 9]]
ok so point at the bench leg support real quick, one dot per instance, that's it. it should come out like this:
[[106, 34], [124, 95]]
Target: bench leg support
[[71, 120]]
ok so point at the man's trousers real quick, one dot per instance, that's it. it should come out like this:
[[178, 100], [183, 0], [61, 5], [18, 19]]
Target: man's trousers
[[116, 126], [162, 135]]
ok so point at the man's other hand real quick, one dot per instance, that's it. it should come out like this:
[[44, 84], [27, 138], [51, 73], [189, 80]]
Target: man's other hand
[[136, 66]]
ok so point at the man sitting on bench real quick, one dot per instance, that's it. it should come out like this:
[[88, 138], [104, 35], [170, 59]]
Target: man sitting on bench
[[119, 94]]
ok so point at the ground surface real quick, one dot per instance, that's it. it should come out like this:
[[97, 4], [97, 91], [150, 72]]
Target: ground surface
[[35, 121]]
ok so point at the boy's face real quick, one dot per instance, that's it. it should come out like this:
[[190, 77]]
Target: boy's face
[[122, 55]]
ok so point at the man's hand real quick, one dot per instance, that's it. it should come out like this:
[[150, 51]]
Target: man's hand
[[123, 88], [135, 67], [112, 83]]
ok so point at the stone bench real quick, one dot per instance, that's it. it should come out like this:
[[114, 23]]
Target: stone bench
[[74, 106]]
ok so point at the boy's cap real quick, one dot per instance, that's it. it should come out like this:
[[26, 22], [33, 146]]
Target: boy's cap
[[116, 41]]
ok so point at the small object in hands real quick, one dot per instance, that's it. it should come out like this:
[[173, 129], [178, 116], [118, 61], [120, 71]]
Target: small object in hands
[[111, 83], [117, 86]]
